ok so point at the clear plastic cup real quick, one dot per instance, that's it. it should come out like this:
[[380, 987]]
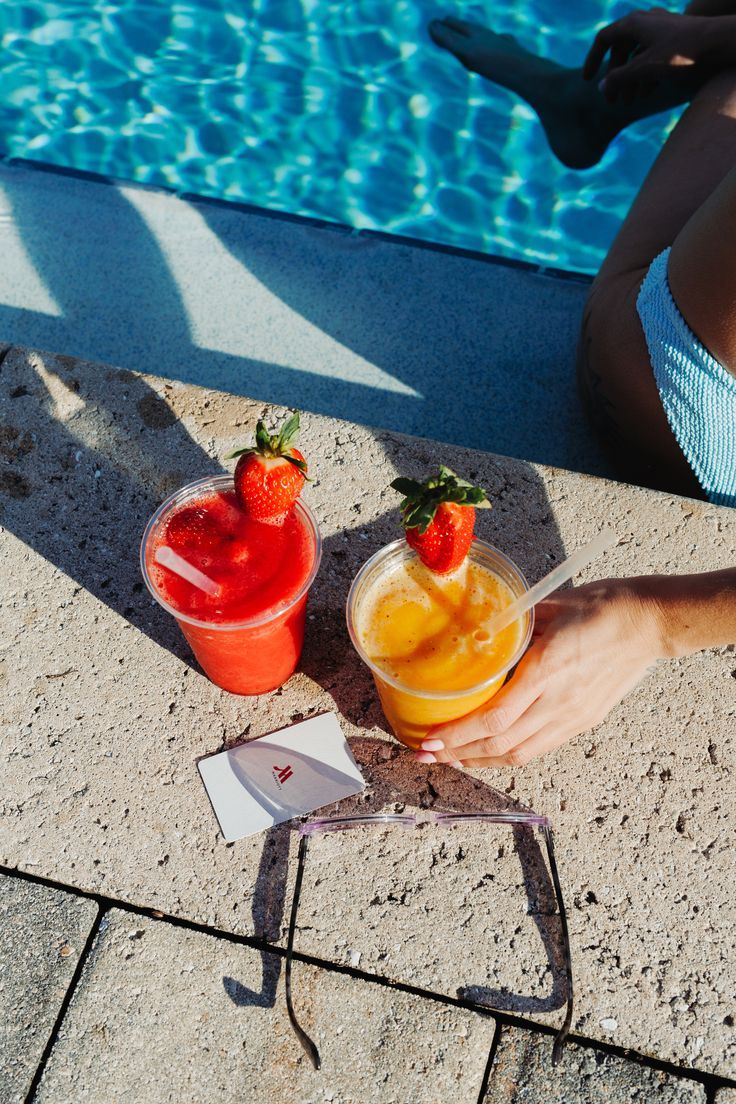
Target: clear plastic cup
[[411, 712], [244, 657]]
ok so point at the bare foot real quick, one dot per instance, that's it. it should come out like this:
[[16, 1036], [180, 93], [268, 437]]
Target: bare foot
[[577, 121]]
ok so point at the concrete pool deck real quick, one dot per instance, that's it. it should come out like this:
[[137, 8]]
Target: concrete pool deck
[[443, 344], [142, 955]]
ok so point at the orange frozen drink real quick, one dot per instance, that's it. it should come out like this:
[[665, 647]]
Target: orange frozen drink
[[415, 630]]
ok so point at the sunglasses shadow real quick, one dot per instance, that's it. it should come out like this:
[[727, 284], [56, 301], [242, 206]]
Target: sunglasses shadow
[[395, 782]]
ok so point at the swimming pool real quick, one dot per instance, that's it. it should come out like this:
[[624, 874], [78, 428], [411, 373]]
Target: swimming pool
[[344, 111]]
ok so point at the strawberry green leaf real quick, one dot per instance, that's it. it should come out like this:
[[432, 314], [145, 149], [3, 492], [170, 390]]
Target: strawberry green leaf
[[273, 445], [239, 452], [300, 464], [406, 487], [422, 499], [263, 439], [289, 432]]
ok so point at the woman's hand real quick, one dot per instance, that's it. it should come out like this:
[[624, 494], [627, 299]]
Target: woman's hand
[[591, 646], [648, 45]]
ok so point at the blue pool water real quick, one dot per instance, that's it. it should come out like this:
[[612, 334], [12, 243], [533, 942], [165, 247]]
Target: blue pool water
[[337, 109]]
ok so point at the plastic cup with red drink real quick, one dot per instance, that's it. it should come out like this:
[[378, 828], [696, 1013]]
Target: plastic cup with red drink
[[237, 581]]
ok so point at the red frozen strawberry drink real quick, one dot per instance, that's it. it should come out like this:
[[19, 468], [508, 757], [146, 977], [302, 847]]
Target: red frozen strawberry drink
[[248, 635]]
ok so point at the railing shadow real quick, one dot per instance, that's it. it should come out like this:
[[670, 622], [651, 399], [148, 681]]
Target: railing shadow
[[395, 782], [350, 312], [85, 458]]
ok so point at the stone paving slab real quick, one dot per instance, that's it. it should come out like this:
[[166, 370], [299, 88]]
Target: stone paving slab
[[106, 717], [166, 1014], [726, 1096], [523, 1073], [42, 935]]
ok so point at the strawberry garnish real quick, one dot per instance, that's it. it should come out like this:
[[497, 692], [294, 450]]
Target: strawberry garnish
[[438, 516], [270, 475]]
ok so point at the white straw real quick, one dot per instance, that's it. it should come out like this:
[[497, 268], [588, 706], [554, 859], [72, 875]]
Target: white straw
[[545, 586], [167, 557]]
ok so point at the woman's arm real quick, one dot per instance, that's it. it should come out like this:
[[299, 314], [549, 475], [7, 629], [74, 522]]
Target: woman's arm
[[591, 646], [694, 611]]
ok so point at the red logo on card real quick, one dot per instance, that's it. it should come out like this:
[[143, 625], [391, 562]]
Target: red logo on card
[[282, 774]]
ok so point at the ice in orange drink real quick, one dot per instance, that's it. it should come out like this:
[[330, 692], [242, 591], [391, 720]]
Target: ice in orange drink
[[416, 630]]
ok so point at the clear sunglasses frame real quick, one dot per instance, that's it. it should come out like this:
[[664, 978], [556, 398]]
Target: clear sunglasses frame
[[340, 823]]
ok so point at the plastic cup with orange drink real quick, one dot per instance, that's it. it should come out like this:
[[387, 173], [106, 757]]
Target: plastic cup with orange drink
[[415, 631], [417, 609]]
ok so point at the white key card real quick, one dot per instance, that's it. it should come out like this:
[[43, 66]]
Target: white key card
[[277, 777]]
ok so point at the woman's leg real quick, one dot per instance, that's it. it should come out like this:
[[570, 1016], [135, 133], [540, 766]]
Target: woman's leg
[[688, 201], [578, 121]]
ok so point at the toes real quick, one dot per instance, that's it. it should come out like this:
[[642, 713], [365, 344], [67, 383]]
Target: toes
[[460, 25], [448, 37], [441, 34]]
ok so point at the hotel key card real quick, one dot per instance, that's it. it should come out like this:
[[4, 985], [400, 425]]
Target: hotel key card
[[286, 774]]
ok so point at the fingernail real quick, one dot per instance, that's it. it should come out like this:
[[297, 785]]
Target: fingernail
[[425, 757], [432, 745]]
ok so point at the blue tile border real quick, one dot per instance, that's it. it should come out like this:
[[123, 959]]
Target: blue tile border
[[302, 220]]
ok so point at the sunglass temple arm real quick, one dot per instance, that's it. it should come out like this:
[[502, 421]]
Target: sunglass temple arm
[[564, 1031], [301, 1034]]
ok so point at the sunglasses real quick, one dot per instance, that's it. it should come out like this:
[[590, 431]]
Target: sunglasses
[[399, 820]]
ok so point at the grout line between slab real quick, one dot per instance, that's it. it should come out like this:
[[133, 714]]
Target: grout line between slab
[[711, 1082], [71, 989]]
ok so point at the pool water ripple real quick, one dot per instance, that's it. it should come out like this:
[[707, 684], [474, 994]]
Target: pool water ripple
[[342, 111]]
